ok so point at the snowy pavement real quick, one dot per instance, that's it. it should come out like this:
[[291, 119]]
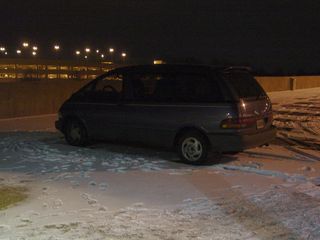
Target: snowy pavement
[[109, 191]]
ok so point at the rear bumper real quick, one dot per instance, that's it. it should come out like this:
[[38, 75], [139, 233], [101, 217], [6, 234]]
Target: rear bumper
[[238, 142]]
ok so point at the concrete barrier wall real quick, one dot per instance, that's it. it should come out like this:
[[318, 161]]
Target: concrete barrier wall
[[35, 97], [43, 97], [271, 84]]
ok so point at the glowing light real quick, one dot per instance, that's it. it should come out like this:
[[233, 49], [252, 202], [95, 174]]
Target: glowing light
[[78, 52], [102, 55], [6, 53], [56, 47], [85, 57], [88, 50], [25, 44], [34, 53], [35, 48], [97, 51], [123, 54], [158, 61], [18, 51], [2, 49], [111, 50]]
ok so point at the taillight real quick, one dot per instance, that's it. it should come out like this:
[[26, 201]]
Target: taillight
[[243, 122]]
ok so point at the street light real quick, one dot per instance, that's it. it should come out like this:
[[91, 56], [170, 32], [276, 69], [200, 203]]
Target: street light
[[102, 55], [87, 50], [85, 57], [123, 54], [2, 49], [35, 48], [56, 47], [34, 53], [18, 51], [97, 51], [6, 53], [25, 44], [78, 52], [111, 50]]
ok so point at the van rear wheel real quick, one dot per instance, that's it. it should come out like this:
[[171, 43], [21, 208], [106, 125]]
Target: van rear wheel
[[193, 148], [75, 133]]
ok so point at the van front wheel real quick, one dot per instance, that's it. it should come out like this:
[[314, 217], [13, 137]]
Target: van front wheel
[[193, 148], [76, 133]]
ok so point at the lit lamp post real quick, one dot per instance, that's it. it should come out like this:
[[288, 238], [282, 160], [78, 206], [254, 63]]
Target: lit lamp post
[[56, 49], [34, 51], [111, 51], [123, 56], [3, 50], [87, 51]]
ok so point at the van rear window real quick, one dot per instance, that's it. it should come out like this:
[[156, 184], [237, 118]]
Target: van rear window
[[244, 84]]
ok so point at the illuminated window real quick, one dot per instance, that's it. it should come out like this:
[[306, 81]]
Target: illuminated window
[[52, 67], [82, 76], [92, 76], [27, 67], [93, 68], [7, 67], [64, 68], [52, 76], [63, 76], [79, 68], [7, 75], [42, 67]]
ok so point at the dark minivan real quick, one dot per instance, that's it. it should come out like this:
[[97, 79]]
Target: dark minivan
[[195, 109]]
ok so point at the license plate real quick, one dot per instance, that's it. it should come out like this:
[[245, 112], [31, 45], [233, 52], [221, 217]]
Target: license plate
[[260, 123]]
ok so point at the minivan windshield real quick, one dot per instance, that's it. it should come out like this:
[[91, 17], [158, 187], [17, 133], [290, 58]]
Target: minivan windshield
[[244, 84]]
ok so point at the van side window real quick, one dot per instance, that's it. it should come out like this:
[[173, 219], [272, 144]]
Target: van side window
[[197, 88], [108, 89], [143, 86], [174, 88]]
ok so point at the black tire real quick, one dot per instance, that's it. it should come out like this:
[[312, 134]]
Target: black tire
[[75, 133], [193, 147]]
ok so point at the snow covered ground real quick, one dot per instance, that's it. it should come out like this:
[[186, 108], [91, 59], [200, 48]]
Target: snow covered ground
[[109, 191]]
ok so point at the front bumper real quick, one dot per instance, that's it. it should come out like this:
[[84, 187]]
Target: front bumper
[[237, 142], [58, 124]]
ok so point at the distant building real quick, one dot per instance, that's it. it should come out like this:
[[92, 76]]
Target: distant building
[[37, 69]]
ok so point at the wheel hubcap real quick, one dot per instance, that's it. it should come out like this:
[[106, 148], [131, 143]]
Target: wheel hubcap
[[192, 149], [75, 132]]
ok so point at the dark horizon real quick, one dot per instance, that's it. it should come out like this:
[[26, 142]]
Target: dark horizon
[[273, 36]]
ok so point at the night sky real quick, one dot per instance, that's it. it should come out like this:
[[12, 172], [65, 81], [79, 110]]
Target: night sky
[[273, 35]]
